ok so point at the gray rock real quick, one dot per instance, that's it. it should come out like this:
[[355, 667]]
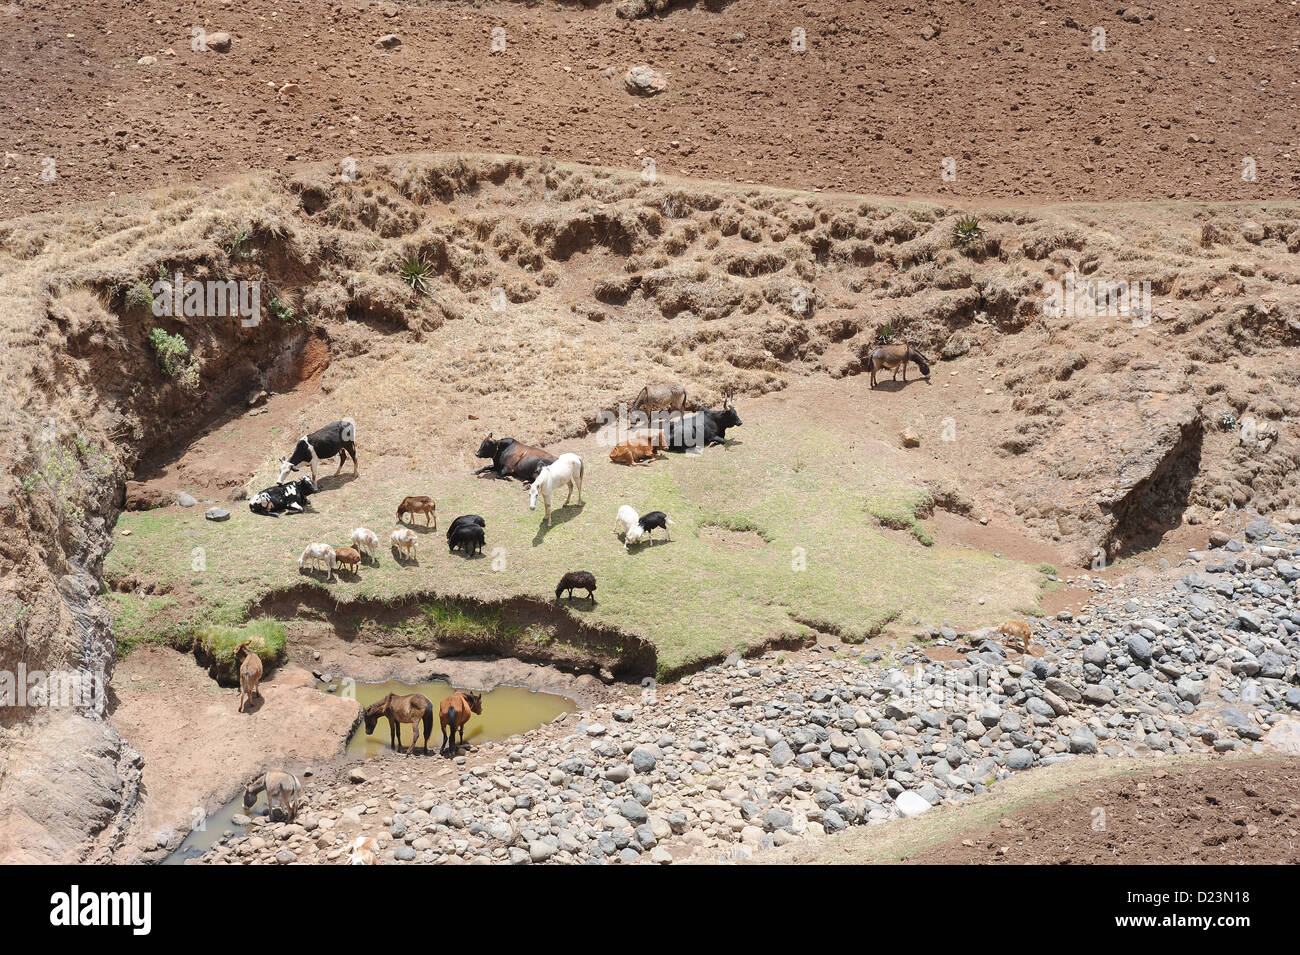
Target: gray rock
[[217, 514]]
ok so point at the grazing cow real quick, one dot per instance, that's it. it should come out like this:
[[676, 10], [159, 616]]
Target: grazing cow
[[283, 497], [414, 709], [405, 542], [637, 449], [462, 521], [627, 523], [453, 714], [512, 459], [348, 557], [333, 440], [665, 396], [366, 541], [317, 555], [703, 428], [280, 787], [418, 505], [584, 579], [567, 471], [650, 521], [250, 674], [893, 357], [467, 537]]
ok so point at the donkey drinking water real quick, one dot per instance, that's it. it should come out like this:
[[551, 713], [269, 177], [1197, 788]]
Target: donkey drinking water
[[280, 787]]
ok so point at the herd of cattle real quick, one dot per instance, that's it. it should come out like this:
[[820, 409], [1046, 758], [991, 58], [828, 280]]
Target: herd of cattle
[[545, 474]]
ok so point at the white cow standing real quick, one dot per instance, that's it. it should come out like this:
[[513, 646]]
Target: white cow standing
[[566, 469]]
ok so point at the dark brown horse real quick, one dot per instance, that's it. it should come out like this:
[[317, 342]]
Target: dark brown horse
[[412, 709], [453, 714]]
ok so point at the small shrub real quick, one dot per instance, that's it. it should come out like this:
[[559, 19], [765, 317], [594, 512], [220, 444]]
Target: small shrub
[[966, 231], [885, 333], [174, 357], [417, 272], [1228, 421], [282, 310], [140, 295]]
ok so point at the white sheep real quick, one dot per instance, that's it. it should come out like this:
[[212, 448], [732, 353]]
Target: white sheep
[[365, 540], [406, 542], [627, 524], [317, 554]]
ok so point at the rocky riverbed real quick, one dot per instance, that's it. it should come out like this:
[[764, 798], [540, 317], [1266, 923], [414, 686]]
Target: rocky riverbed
[[751, 754]]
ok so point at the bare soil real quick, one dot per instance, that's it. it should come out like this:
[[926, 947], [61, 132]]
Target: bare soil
[[1014, 93], [1239, 812]]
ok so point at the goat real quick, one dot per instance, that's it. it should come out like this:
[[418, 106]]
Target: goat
[[365, 541], [280, 787], [1017, 630], [405, 542], [418, 505], [348, 557], [577, 578], [650, 521], [893, 357], [335, 439], [636, 449], [250, 673], [566, 470], [316, 554]]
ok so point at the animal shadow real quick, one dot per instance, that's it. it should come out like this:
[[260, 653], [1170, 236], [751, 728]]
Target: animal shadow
[[559, 516]]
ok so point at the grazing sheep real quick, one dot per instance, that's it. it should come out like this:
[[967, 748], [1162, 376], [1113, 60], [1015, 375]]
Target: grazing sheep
[[418, 505], [577, 578], [348, 557], [650, 521], [1017, 630], [467, 537], [405, 542], [627, 524], [366, 541], [317, 554]]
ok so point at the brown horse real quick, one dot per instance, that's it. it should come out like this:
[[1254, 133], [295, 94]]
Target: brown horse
[[453, 714], [413, 709]]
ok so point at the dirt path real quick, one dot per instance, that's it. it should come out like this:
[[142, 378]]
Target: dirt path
[[1017, 97]]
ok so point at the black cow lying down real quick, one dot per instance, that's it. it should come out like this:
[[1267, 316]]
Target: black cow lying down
[[703, 428], [283, 497], [511, 458]]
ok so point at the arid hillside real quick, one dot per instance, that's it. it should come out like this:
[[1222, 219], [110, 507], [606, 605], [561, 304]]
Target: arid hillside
[[965, 102], [439, 297]]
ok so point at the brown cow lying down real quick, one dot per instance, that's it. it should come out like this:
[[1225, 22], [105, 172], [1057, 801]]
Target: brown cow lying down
[[636, 449]]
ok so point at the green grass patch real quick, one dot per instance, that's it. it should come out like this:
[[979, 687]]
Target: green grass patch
[[769, 535], [216, 645]]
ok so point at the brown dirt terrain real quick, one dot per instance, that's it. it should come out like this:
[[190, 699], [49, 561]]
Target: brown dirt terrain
[[1180, 811], [1015, 93]]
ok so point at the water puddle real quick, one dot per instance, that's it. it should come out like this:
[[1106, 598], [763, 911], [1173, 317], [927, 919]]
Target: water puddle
[[507, 711]]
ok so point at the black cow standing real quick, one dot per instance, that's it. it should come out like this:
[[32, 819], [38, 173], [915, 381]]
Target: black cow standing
[[336, 439]]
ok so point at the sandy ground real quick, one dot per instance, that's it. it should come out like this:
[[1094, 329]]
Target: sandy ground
[[1182, 94]]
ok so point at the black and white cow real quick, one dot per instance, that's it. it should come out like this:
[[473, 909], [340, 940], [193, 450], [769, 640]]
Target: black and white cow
[[333, 440], [283, 497]]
